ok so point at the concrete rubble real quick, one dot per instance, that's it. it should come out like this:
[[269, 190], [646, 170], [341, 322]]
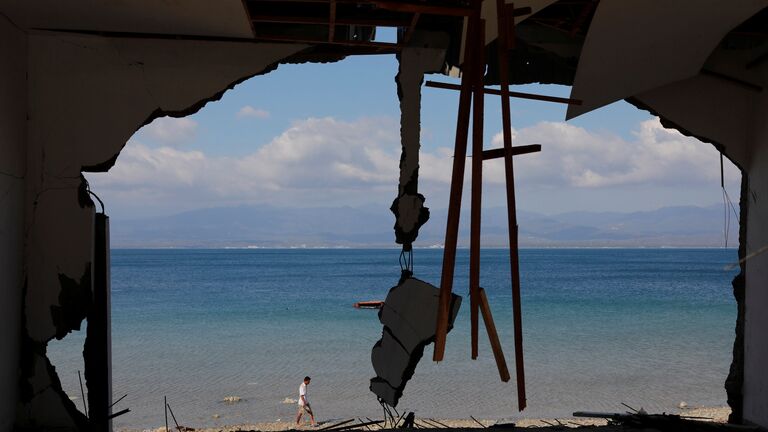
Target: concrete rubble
[[409, 316]]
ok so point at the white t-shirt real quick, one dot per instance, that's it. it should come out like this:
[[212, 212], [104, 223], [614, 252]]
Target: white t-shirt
[[303, 392]]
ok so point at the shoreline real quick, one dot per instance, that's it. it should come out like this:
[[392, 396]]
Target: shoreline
[[713, 414]]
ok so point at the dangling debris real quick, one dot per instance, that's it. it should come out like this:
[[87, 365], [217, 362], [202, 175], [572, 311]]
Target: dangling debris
[[409, 315]]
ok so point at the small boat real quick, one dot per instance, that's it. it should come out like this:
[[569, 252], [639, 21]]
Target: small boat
[[371, 304]]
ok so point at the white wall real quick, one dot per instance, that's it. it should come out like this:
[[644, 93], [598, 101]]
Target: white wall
[[13, 68], [756, 313], [86, 96]]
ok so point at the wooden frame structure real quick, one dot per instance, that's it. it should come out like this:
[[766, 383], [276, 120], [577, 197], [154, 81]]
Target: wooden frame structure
[[472, 93]]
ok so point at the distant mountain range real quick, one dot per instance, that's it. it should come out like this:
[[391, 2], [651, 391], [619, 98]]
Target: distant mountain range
[[267, 226]]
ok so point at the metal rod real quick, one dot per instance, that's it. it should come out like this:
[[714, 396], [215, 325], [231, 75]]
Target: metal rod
[[336, 425], [493, 336], [119, 413], [454, 203], [478, 422], [478, 66], [511, 209], [115, 402], [82, 393], [173, 416], [519, 95], [165, 406]]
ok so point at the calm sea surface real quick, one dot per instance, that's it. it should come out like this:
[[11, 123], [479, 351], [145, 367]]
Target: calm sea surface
[[648, 327]]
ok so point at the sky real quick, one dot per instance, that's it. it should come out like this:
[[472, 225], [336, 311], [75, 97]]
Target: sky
[[318, 135]]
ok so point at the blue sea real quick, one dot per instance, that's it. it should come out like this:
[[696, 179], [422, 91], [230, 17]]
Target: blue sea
[[647, 327]]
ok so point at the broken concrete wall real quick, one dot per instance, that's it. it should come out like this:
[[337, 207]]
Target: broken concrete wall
[[425, 54], [86, 96], [756, 293], [13, 135], [735, 118]]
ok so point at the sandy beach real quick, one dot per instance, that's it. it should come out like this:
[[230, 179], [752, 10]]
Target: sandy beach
[[715, 414]]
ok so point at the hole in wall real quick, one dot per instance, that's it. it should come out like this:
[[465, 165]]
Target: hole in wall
[[66, 355], [188, 325]]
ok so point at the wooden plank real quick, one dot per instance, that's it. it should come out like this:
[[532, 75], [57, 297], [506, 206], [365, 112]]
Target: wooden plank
[[426, 8], [454, 202], [368, 21], [332, 21], [493, 336], [520, 95], [511, 209], [411, 28], [422, 8], [517, 150], [478, 67], [372, 44]]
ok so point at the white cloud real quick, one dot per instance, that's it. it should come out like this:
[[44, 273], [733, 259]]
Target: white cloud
[[170, 131], [251, 112], [575, 157], [314, 160], [321, 161]]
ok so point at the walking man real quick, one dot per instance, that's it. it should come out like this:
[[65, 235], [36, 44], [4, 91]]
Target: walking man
[[304, 403]]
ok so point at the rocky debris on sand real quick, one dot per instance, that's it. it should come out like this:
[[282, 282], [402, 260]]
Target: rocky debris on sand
[[232, 399], [289, 401]]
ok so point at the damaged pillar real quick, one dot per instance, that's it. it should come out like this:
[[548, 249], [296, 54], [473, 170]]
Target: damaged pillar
[[97, 351], [425, 54]]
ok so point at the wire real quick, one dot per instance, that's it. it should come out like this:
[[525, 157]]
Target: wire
[[90, 192], [726, 204]]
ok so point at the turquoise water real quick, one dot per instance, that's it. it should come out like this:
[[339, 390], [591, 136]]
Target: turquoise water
[[648, 327]]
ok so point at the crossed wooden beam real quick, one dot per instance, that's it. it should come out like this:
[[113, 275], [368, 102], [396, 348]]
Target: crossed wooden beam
[[472, 94]]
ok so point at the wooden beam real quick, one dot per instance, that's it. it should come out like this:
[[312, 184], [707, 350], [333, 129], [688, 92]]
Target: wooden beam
[[519, 95], [372, 44], [478, 72], [422, 8], [371, 22], [493, 336], [399, 6], [454, 201], [411, 28], [332, 21], [511, 208], [517, 150]]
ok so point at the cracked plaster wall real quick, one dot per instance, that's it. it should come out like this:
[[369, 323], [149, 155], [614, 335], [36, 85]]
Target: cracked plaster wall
[[85, 96], [13, 60], [756, 294]]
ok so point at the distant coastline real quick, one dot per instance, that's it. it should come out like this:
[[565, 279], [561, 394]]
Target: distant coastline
[[259, 227]]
